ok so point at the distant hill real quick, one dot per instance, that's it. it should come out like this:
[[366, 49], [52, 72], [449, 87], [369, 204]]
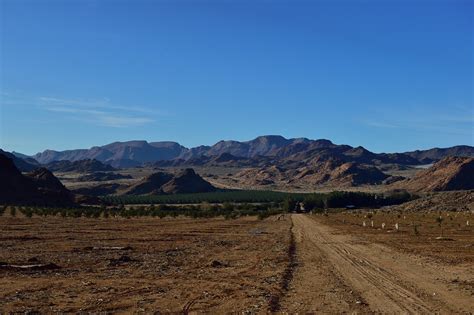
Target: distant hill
[[451, 173], [273, 148], [26, 158], [436, 154], [39, 187], [186, 181], [81, 166], [118, 154]]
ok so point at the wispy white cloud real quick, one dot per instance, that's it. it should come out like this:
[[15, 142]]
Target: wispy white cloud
[[101, 118], [101, 112], [101, 103], [75, 110]]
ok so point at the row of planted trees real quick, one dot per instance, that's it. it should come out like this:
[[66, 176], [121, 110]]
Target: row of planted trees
[[322, 200], [204, 210], [310, 202]]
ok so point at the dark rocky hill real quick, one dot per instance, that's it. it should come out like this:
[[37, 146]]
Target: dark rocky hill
[[39, 187], [186, 181], [50, 187]]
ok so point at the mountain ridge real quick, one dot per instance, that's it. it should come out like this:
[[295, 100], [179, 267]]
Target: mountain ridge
[[138, 152]]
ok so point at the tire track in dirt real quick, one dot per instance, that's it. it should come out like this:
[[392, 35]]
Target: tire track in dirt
[[274, 303], [316, 286], [388, 281]]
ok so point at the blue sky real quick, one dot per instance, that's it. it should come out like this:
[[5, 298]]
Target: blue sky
[[387, 75]]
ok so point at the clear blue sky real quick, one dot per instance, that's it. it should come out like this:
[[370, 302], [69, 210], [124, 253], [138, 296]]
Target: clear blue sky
[[387, 75]]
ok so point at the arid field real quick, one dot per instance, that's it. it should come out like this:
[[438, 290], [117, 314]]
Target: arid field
[[124, 265], [290, 263]]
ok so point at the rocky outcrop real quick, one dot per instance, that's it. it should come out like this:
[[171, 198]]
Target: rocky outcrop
[[451, 173], [327, 172]]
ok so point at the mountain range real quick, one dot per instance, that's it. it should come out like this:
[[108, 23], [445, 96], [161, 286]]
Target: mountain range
[[263, 149]]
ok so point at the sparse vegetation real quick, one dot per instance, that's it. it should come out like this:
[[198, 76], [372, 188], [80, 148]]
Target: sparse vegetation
[[204, 210], [415, 229]]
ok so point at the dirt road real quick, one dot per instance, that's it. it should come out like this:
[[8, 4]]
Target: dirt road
[[345, 273]]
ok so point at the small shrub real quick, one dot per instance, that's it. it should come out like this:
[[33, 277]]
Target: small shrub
[[28, 212], [228, 207], [440, 220], [415, 229]]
